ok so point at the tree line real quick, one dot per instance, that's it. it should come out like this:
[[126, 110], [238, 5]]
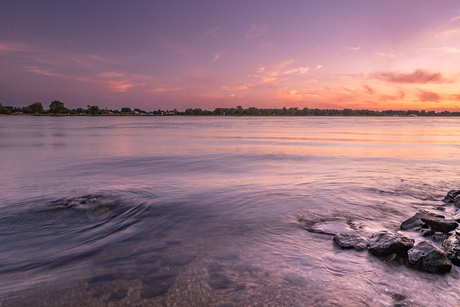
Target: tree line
[[57, 108]]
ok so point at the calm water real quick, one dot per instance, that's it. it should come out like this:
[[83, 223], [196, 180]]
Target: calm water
[[198, 211]]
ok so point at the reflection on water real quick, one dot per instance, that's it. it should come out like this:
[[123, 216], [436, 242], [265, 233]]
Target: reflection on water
[[186, 211]]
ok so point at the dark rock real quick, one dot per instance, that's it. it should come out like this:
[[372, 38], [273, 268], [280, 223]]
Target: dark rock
[[452, 248], [426, 232], [350, 240], [416, 222], [430, 213], [429, 258], [449, 198], [440, 224], [386, 242], [457, 201], [439, 237], [413, 222], [153, 290]]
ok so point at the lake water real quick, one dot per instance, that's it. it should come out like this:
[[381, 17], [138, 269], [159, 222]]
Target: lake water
[[210, 211]]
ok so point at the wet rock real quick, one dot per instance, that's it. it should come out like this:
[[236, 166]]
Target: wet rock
[[426, 232], [429, 258], [413, 222], [431, 213], [451, 247], [386, 242], [440, 224], [153, 290], [457, 201], [449, 198], [350, 240], [439, 236]]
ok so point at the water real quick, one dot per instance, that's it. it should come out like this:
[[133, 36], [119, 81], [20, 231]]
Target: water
[[209, 211]]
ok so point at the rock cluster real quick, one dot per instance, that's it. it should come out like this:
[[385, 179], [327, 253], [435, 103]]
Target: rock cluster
[[425, 255]]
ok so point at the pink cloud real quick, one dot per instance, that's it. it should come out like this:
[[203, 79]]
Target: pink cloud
[[419, 76], [425, 96]]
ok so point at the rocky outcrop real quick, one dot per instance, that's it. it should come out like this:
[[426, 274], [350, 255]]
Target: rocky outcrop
[[440, 224], [451, 247], [429, 258], [450, 197], [386, 242], [415, 222], [350, 240]]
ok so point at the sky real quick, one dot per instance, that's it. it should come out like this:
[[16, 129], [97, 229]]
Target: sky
[[359, 54]]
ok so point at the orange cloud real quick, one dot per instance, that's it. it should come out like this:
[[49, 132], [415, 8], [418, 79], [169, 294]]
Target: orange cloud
[[425, 96], [419, 76]]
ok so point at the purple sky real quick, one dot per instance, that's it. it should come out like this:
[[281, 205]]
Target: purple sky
[[177, 54]]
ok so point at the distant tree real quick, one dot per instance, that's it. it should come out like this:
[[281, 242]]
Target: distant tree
[[197, 111], [93, 110], [218, 111], [56, 107], [35, 107], [239, 110], [126, 110]]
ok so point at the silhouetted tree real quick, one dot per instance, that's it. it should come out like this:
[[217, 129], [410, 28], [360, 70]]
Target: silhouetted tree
[[56, 107]]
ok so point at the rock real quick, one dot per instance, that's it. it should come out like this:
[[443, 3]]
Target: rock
[[350, 240], [386, 242], [457, 201], [431, 213], [413, 222], [439, 236], [429, 258], [416, 222], [452, 248], [440, 224], [449, 198], [426, 232]]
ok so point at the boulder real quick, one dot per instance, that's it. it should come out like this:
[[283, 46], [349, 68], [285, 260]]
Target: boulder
[[440, 224], [449, 198], [386, 242], [429, 258], [451, 247], [415, 222], [350, 240]]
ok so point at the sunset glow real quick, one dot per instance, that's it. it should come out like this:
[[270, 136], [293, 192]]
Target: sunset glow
[[268, 54]]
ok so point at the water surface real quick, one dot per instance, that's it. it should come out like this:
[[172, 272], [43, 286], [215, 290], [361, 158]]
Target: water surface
[[206, 211]]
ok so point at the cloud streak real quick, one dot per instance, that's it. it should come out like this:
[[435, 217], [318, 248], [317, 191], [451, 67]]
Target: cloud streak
[[419, 76]]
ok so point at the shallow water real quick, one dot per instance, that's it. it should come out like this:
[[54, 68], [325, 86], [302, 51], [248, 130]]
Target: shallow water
[[209, 211]]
